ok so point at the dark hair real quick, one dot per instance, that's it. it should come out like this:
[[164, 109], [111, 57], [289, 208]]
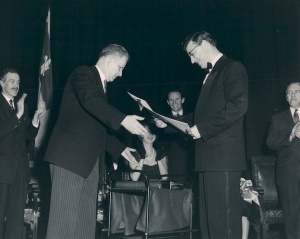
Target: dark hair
[[114, 49], [5, 71], [175, 90], [151, 125], [198, 37]]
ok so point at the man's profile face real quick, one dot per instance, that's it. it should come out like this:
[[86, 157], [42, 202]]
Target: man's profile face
[[10, 84], [115, 67], [197, 53], [293, 95], [175, 101]]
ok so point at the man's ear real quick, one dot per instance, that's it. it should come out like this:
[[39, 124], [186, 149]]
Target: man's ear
[[182, 100], [108, 60], [168, 102]]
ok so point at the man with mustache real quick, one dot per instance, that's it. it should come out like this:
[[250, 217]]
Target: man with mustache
[[15, 128]]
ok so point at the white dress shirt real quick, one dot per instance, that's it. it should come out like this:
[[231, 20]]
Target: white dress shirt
[[102, 77], [194, 129]]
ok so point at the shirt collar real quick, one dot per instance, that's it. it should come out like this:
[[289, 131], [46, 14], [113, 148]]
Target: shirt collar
[[176, 113], [214, 61], [102, 76], [293, 110], [8, 98]]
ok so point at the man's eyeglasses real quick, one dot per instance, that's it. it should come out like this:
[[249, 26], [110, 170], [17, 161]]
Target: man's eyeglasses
[[290, 92], [190, 53]]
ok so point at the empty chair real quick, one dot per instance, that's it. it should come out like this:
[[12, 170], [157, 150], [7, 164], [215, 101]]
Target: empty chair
[[263, 173]]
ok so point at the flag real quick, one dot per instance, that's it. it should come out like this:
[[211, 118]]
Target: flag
[[45, 91]]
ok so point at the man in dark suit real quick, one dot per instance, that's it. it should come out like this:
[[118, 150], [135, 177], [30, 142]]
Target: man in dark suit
[[219, 138], [15, 128], [180, 158], [78, 142], [284, 136]]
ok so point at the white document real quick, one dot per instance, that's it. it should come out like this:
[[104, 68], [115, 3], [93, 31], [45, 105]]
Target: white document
[[177, 124]]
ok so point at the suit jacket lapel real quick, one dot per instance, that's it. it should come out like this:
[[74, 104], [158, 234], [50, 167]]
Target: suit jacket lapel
[[289, 117], [209, 82], [98, 81], [205, 90], [6, 104]]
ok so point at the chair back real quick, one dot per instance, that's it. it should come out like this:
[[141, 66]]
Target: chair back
[[263, 173]]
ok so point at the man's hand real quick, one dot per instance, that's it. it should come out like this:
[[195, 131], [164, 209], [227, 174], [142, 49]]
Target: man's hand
[[129, 157], [189, 132], [40, 110], [159, 123], [295, 132], [132, 124], [193, 131], [20, 106]]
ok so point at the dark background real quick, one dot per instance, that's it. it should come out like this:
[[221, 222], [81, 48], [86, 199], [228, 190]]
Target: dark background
[[262, 34]]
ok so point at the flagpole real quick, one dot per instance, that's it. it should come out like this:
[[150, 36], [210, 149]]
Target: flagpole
[[45, 92]]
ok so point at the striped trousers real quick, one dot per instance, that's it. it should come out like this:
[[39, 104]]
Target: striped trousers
[[73, 204]]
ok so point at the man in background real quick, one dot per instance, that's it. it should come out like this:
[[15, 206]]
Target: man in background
[[15, 128], [180, 159], [219, 137], [284, 136], [78, 143]]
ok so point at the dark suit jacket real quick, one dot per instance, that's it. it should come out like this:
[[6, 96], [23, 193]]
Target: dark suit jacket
[[13, 135], [219, 116], [79, 137], [175, 133], [288, 162], [180, 158]]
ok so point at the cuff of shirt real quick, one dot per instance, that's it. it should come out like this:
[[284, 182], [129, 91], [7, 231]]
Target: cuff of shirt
[[37, 124], [195, 132]]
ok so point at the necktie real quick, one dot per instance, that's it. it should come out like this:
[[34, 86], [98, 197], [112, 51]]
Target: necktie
[[296, 116], [11, 105], [104, 85], [209, 66], [178, 116]]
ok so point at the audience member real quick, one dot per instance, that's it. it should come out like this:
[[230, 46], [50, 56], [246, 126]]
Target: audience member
[[78, 143], [284, 137], [250, 206], [219, 137], [181, 158], [151, 161], [15, 128]]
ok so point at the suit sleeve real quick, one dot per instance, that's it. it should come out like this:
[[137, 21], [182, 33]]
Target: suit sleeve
[[113, 146], [277, 137], [235, 90], [88, 94], [10, 124]]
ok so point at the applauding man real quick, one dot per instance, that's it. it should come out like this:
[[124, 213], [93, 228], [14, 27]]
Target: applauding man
[[284, 136], [15, 128]]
